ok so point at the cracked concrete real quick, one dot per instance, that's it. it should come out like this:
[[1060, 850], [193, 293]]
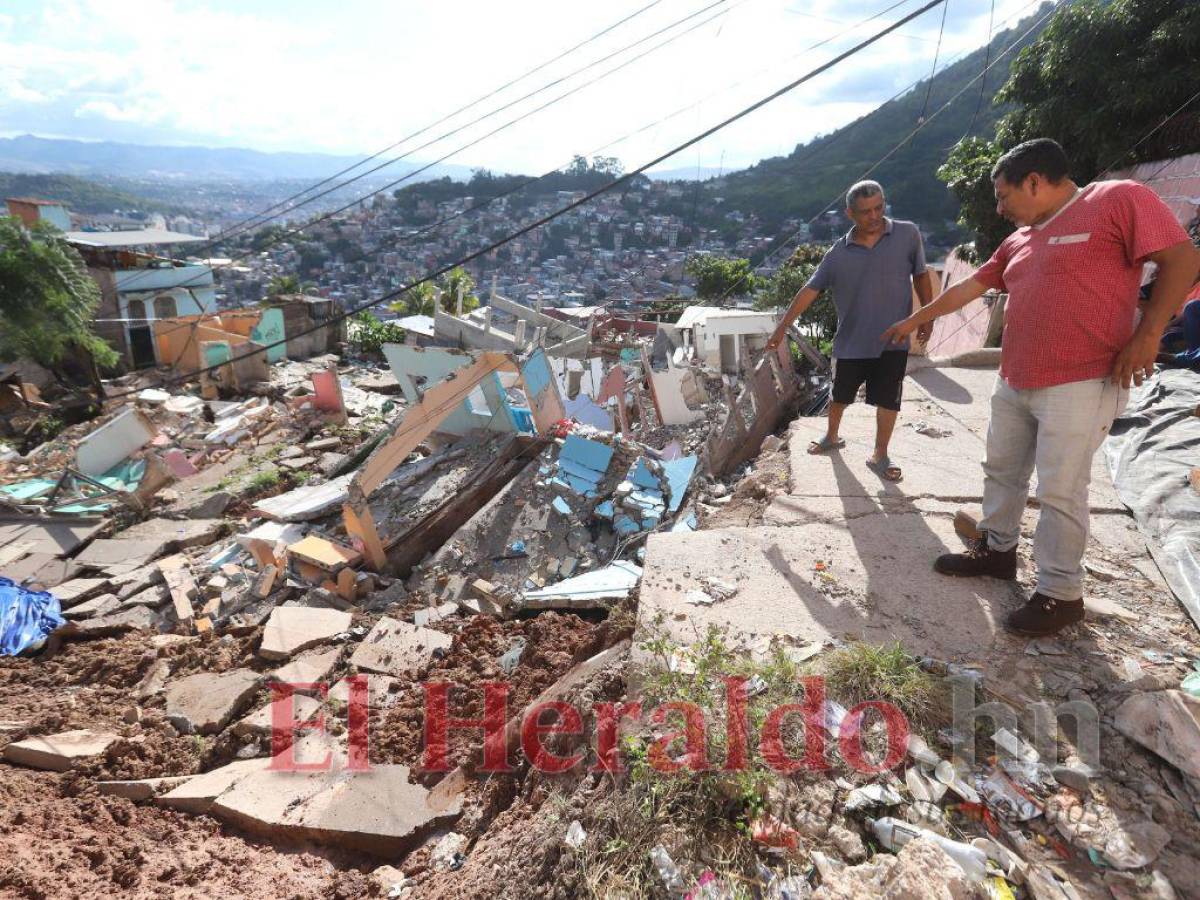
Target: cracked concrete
[[846, 554]]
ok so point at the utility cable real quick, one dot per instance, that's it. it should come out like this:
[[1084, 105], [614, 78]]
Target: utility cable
[[587, 198], [983, 80], [407, 177], [1186, 103], [904, 141], [933, 71], [445, 118]]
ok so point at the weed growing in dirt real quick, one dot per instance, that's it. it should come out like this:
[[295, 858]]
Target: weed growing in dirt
[[647, 805], [859, 672], [264, 480]]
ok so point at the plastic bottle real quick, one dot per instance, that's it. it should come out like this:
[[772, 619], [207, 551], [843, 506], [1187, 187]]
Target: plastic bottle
[[894, 834]]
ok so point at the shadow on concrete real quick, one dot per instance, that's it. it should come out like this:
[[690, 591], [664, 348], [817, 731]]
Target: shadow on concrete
[[941, 386]]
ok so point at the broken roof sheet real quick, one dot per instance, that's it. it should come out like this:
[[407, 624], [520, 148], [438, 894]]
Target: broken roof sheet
[[610, 583], [137, 238]]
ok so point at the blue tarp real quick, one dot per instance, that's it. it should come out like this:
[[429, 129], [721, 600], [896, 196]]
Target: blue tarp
[[26, 617]]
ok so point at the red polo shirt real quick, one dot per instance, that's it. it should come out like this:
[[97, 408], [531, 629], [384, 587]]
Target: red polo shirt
[[1072, 283]]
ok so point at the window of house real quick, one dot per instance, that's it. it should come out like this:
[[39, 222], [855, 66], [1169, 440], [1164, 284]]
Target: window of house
[[137, 312], [164, 307]]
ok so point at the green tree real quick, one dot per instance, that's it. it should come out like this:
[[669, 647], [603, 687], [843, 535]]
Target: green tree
[[718, 278], [420, 300], [284, 284], [1103, 79], [968, 173], [368, 334], [451, 283], [47, 302], [820, 319]]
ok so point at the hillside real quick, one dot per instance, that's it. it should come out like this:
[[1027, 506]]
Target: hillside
[[28, 153], [79, 194], [802, 183]]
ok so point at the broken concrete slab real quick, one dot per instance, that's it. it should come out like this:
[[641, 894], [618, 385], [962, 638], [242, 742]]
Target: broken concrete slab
[[423, 617], [291, 629], [196, 795], [79, 589], [262, 720], [594, 589], [1166, 722], [153, 681], [379, 811], [208, 701], [137, 618], [308, 668], [298, 463], [212, 506], [100, 605], [152, 597], [306, 502], [176, 534], [378, 689], [127, 553], [113, 442], [59, 752], [142, 789], [395, 648], [855, 591]]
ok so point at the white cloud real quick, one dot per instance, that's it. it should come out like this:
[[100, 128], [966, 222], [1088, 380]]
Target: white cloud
[[303, 75]]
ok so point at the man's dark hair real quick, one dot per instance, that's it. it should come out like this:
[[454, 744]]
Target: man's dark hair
[[1040, 155]]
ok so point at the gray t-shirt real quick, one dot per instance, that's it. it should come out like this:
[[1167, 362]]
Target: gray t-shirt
[[872, 287]]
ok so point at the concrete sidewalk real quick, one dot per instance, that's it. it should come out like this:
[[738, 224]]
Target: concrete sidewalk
[[845, 554]]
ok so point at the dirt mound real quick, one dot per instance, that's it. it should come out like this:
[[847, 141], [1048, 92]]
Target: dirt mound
[[54, 846]]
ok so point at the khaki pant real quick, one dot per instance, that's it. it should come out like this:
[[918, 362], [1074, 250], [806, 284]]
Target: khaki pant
[[1055, 430]]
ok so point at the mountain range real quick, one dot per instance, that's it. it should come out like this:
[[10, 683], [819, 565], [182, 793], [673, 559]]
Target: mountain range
[[30, 154]]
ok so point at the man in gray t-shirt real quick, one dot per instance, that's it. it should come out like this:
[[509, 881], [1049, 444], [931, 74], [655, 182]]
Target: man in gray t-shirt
[[872, 271]]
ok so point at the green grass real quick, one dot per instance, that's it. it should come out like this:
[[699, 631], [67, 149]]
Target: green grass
[[264, 480], [860, 672]]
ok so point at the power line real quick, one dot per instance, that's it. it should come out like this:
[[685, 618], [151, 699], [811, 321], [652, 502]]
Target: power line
[[587, 198], [982, 81], [326, 216], [1186, 103], [448, 116], [787, 238], [933, 70]]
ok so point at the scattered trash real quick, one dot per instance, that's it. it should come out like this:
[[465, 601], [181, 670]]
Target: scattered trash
[[872, 795], [894, 834]]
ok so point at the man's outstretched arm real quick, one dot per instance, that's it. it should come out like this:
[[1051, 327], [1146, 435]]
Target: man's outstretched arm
[[946, 302], [802, 301]]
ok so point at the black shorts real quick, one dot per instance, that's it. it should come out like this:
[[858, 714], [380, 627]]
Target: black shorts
[[883, 374]]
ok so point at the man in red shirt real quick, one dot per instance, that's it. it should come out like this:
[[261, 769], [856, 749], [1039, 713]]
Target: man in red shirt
[[1072, 271]]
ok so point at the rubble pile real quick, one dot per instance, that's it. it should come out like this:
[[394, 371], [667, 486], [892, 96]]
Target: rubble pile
[[279, 571]]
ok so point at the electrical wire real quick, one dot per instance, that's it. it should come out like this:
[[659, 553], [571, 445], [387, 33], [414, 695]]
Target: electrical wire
[[448, 116], [587, 198], [788, 237], [982, 81], [510, 123], [933, 71]]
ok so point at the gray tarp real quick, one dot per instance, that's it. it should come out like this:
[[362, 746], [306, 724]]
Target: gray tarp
[[1152, 449]]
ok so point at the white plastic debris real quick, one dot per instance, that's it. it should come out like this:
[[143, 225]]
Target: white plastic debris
[[872, 795], [894, 834], [671, 877], [575, 835]]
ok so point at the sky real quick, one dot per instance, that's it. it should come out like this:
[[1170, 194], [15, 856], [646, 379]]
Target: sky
[[356, 76]]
